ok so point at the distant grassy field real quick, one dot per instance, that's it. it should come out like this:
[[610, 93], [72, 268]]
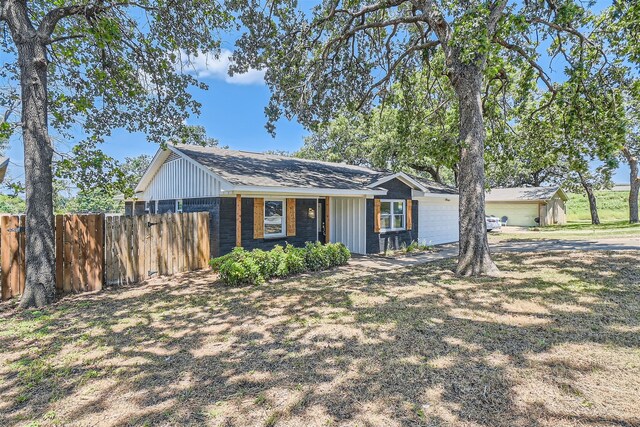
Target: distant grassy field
[[612, 206]]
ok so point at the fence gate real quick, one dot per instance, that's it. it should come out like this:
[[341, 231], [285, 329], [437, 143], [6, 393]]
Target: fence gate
[[140, 247], [79, 253]]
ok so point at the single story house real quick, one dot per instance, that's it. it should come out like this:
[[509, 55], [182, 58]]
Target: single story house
[[528, 206], [259, 200]]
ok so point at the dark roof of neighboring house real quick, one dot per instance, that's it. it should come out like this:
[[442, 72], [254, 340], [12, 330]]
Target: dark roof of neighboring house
[[523, 194], [267, 170], [4, 163]]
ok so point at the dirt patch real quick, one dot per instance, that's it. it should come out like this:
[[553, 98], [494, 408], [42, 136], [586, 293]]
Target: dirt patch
[[553, 341]]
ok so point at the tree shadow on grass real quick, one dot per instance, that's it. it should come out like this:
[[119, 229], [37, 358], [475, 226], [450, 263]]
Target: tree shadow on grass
[[416, 346]]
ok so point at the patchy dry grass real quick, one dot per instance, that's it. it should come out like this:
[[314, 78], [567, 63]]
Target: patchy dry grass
[[553, 341]]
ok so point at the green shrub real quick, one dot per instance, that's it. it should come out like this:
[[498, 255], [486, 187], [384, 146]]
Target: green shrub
[[265, 262], [279, 261], [240, 268], [243, 267], [235, 254], [344, 254], [315, 256], [295, 260]]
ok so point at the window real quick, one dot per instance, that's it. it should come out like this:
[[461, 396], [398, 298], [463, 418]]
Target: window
[[179, 205], [392, 215], [274, 218]]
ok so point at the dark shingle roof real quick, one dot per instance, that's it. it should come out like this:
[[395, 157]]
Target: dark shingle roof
[[267, 170], [435, 187]]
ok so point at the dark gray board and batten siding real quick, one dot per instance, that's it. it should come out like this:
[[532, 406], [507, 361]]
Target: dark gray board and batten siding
[[392, 240]]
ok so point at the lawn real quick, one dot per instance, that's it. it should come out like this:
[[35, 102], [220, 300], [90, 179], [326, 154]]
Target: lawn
[[612, 206], [553, 341], [572, 231]]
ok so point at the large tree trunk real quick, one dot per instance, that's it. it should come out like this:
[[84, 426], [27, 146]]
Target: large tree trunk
[[38, 153], [474, 258], [593, 207], [634, 182]]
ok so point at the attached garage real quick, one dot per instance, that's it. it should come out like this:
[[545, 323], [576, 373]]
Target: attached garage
[[438, 219], [528, 206]]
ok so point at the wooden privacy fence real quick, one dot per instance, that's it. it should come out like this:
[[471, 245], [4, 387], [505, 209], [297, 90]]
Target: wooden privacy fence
[[79, 253], [139, 247], [92, 250], [11, 255]]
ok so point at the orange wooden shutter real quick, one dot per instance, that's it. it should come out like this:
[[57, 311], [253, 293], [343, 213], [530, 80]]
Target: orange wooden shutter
[[291, 217], [409, 214], [376, 215], [258, 218]]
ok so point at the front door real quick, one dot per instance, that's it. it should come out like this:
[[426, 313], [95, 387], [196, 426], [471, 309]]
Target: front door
[[321, 221]]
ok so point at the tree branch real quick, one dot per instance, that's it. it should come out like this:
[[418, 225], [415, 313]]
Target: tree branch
[[3, 6], [51, 19], [519, 50], [61, 39], [394, 66], [495, 14]]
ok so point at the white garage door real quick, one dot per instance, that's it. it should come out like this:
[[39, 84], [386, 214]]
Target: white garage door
[[437, 220], [523, 214]]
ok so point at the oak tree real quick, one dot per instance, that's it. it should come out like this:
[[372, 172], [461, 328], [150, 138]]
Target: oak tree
[[345, 54], [97, 65]]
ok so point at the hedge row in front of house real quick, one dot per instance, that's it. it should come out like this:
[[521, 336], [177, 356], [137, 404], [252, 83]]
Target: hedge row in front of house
[[257, 266]]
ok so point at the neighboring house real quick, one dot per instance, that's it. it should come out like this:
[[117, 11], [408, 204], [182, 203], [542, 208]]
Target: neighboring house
[[4, 163], [528, 206], [260, 200], [621, 187]]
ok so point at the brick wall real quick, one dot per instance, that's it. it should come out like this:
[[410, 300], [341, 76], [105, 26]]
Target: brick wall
[[305, 226], [166, 206]]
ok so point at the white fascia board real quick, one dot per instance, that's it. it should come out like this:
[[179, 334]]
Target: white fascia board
[[157, 161], [562, 194], [401, 176], [224, 184], [516, 201], [417, 194], [259, 190]]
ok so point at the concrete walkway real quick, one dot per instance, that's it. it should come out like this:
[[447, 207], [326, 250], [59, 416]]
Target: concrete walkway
[[451, 250]]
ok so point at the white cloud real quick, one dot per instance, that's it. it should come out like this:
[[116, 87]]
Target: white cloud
[[207, 66]]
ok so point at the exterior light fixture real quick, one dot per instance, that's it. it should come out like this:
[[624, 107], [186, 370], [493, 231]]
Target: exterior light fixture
[[312, 213]]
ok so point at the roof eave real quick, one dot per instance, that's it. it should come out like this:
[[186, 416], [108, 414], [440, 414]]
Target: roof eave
[[418, 193], [403, 177], [244, 189]]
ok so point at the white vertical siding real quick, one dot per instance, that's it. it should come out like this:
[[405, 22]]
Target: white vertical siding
[[181, 179], [347, 223]]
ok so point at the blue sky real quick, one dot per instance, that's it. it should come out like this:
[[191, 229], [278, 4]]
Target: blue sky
[[232, 112]]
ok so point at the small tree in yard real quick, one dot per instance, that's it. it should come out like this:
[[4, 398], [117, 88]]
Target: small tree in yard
[[345, 55], [99, 64]]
